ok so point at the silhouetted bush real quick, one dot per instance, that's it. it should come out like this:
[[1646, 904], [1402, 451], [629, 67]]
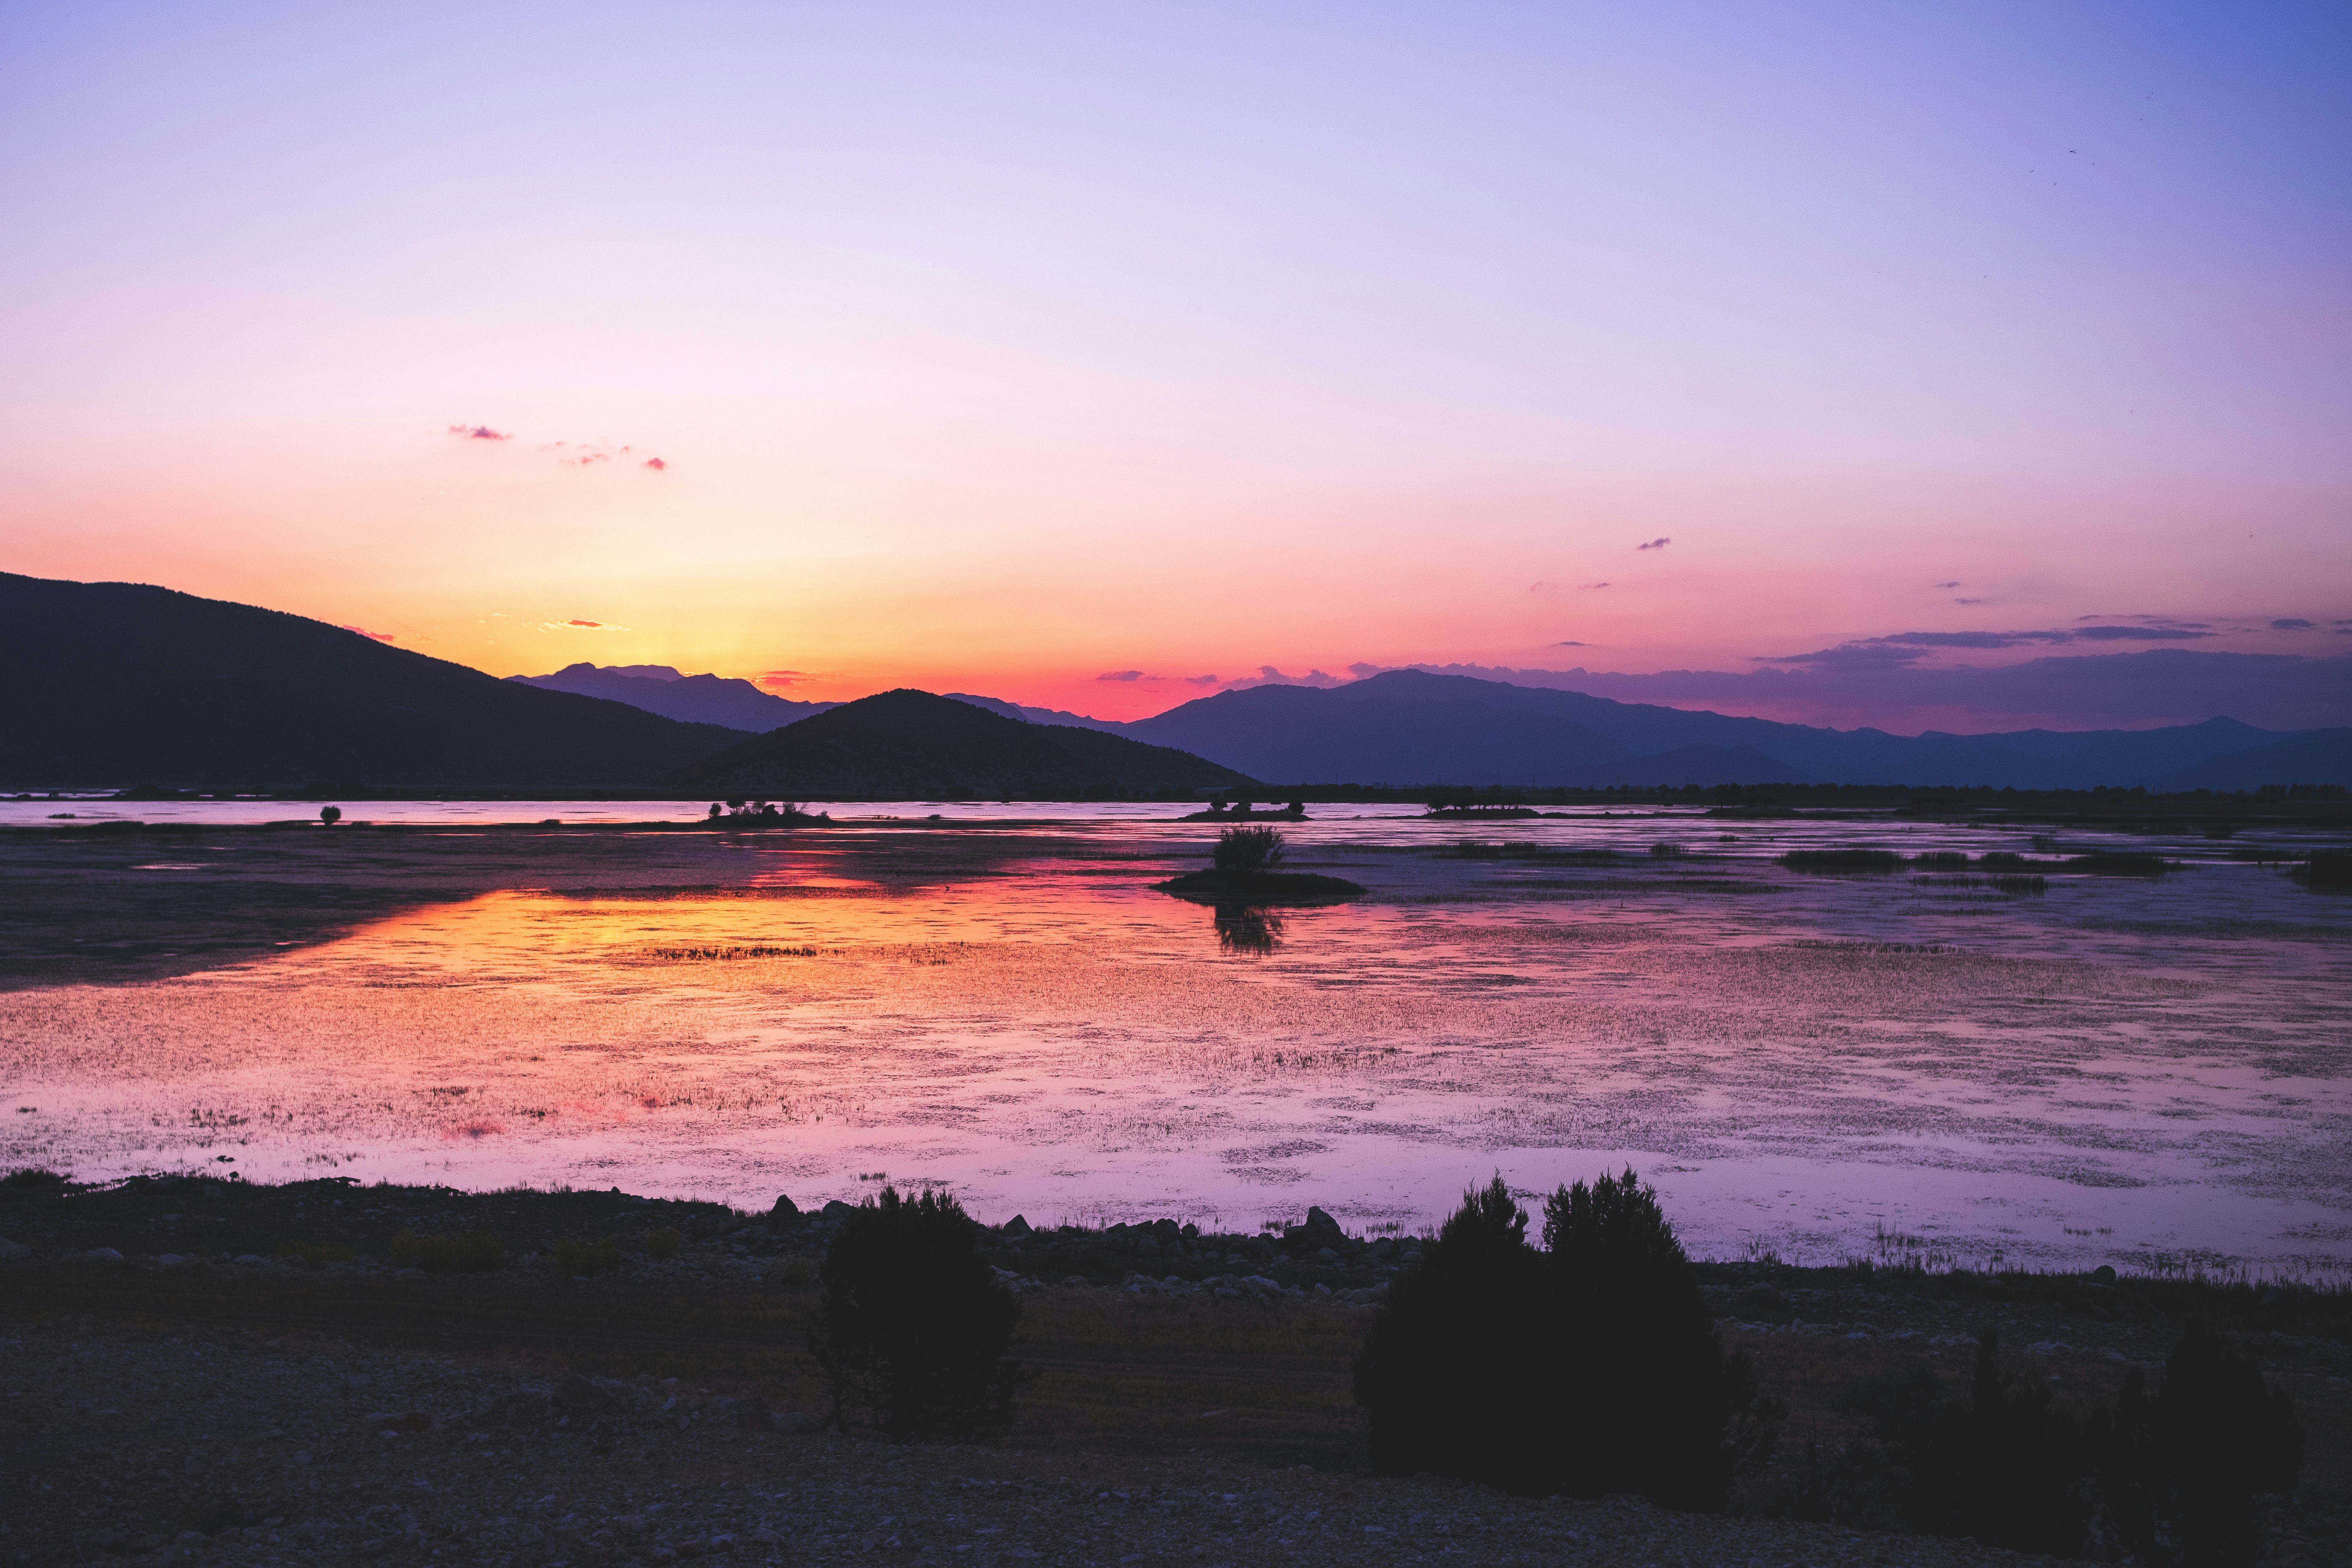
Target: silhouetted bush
[[476, 1252], [659, 1245], [1668, 852], [2326, 869], [914, 1331], [1248, 850], [1589, 1367], [1942, 860], [2184, 1468], [1449, 1372], [2020, 884], [2172, 1480], [582, 1258], [2119, 863], [31, 1186]]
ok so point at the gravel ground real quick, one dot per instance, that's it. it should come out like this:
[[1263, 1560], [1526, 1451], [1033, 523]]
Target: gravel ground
[[178, 1450]]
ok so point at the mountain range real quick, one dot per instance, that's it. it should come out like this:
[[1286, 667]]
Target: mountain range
[[109, 684]]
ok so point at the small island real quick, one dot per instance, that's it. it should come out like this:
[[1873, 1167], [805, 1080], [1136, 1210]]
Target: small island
[[1243, 873]]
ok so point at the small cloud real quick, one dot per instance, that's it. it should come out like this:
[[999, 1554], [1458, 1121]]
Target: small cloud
[[656, 463], [1120, 675], [2292, 624], [1655, 544], [2139, 633], [378, 636], [1968, 601], [578, 625], [780, 680], [591, 626], [1948, 584], [1589, 586], [1543, 587], [1568, 644], [587, 458], [1200, 681], [479, 433]]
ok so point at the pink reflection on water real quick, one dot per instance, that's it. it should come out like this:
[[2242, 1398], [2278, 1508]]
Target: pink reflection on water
[[1800, 1063]]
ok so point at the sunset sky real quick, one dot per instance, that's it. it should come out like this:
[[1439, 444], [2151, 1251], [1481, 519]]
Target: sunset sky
[[1077, 354]]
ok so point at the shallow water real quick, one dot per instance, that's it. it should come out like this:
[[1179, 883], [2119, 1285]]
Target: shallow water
[[2151, 1072]]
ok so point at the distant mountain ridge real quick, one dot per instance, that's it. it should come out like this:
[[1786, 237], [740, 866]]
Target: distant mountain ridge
[[917, 745], [109, 684], [690, 698], [1408, 727]]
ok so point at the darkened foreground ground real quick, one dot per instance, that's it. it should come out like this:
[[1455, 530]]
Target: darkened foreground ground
[[318, 1403]]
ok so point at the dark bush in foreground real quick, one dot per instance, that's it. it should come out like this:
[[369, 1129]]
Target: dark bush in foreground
[[574, 1259], [1591, 1366], [2326, 869], [476, 1252], [1248, 850], [1843, 860], [31, 1186], [914, 1331], [2186, 1467], [2170, 1480]]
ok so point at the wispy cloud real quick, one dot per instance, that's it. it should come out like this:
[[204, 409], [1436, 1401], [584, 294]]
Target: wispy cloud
[[1267, 675], [1199, 680], [1655, 544], [479, 433], [782, 680], [2292, 624], [1954, 584], [1589, 586], [580, 626], [1120, 675], [1906, 648], [1569, 645], [378, 636], [656, 463]]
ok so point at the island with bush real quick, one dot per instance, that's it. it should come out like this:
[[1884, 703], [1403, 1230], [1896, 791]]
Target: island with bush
[[1243, 872]]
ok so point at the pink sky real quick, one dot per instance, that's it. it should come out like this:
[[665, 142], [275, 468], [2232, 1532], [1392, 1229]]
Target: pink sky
[[1001, 354]]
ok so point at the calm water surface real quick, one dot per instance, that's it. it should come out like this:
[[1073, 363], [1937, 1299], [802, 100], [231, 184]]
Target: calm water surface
[[2148, 1072]]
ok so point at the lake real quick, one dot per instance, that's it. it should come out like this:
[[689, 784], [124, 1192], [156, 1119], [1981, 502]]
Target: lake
[[2147, 1071]]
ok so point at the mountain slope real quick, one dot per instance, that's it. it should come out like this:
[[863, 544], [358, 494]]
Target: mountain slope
[[2323, 756], [1039, 715], [689, 699], [1410, 727], [105, 684], [914, 745]]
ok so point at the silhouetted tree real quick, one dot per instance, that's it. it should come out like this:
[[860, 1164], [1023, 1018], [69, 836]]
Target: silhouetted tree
[[2187, 1465], [915, 1333], [330, 814]]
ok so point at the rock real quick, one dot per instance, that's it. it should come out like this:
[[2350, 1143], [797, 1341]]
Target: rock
[[786, 1211], [835, 1211], [251, 1260], [1017, 1228], [103, 1255], [2104, 1274], [1320, 1230], [2050, 1348], [752, 1415], [581, 1392], [13, 1249], [1258, 1284], [1762, 1304], [793, 1423], [1167, 1231]]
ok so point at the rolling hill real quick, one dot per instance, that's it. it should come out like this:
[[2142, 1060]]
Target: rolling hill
[[914, 745], [112, 684]]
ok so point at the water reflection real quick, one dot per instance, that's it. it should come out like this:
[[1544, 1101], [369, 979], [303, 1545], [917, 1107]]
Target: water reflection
[[1250, 931]]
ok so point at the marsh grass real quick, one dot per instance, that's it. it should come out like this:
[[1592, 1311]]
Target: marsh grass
[[722, 955], [1841, 861], [474, 1252]]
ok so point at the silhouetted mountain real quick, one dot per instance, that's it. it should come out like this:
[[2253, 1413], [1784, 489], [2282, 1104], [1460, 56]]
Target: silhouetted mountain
[[1039, 715], [2319, 756], [1407, 727], [914, 745], [1696, 766], [112, 684], [689, 699]]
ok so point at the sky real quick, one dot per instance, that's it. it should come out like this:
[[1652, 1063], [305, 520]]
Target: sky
[[1948, 367]]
